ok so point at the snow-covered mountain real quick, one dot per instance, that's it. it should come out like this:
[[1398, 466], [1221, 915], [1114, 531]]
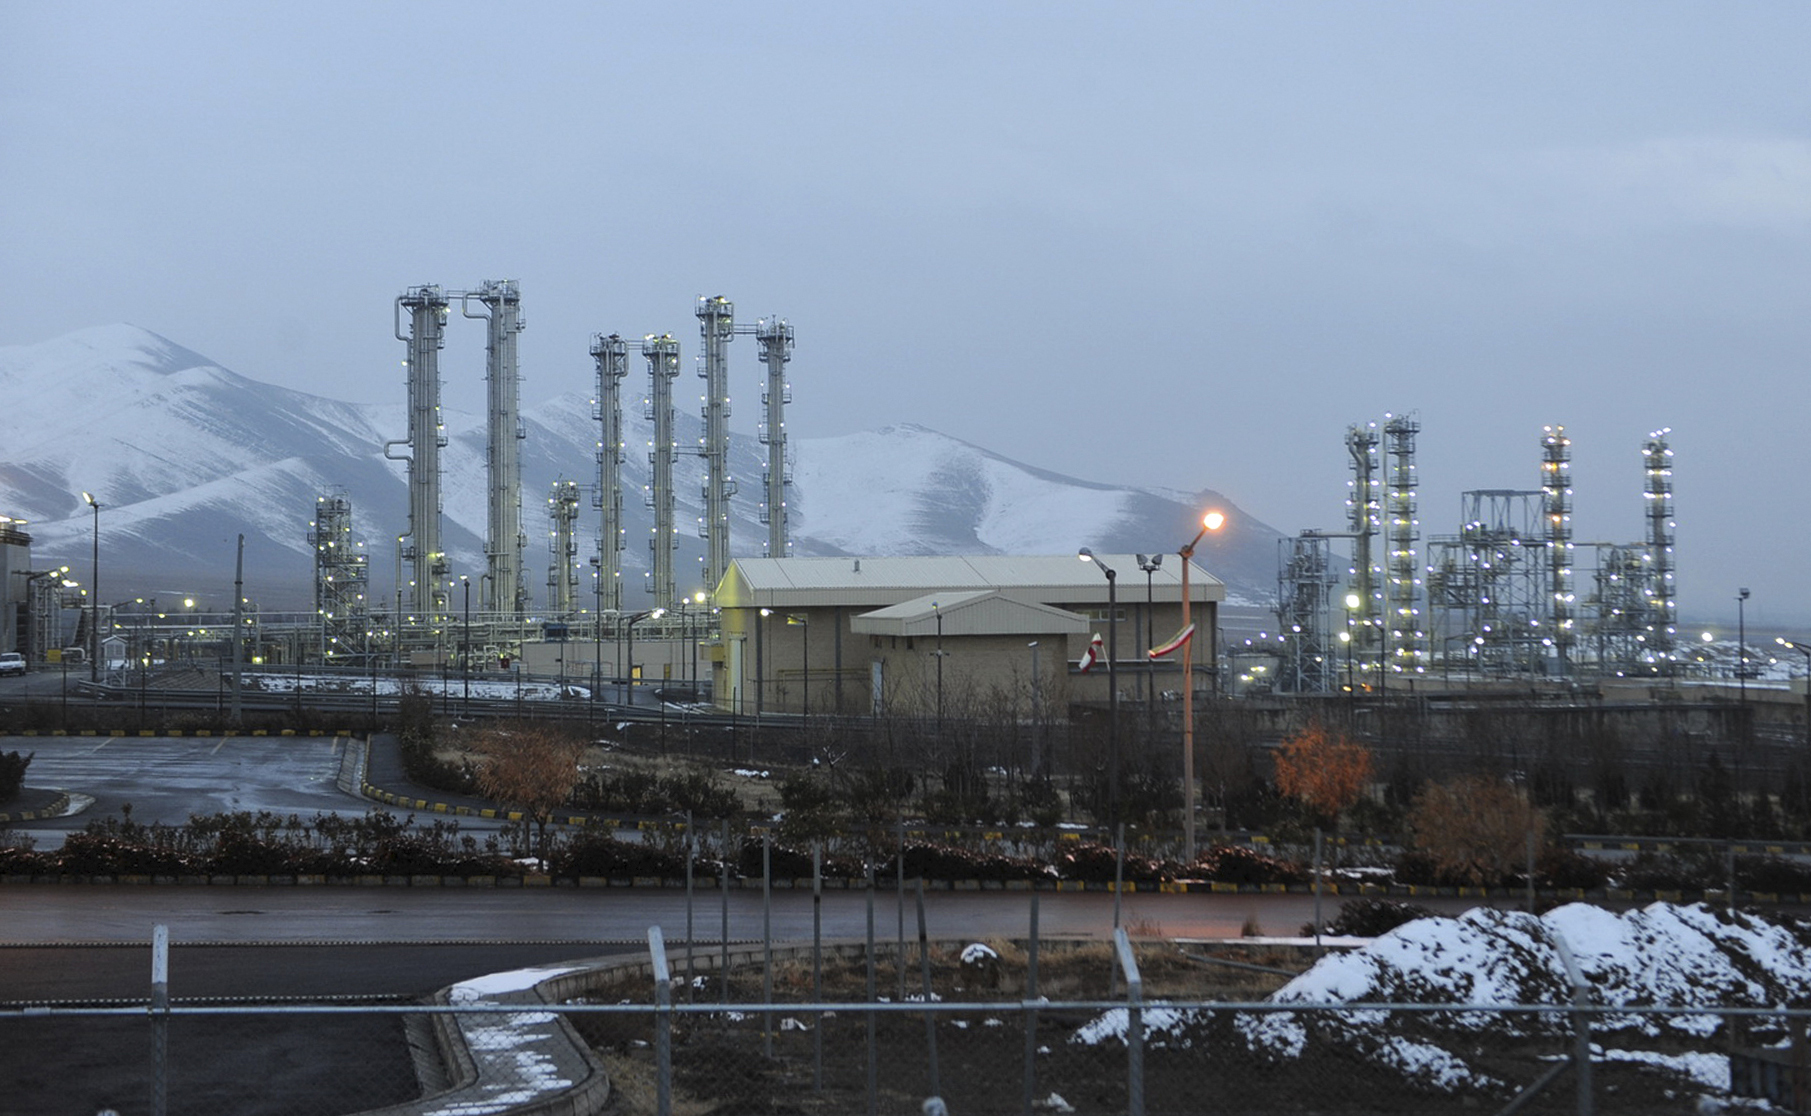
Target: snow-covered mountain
[[185, 455]]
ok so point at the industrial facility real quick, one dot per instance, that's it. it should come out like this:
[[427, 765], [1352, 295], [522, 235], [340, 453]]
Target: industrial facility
[[1515, 594], [427, 607], [1499, 599]]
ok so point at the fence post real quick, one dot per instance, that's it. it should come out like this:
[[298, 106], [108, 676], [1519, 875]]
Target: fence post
[[1317, 891], [817, 964], [1119, 888], [930, 1016], [663, 1023], [767, 1019], [1134, 1024], [691, 858], [1031, 1012], [160, 1019], [873, 1019], [723, 927], [1581, 1023]]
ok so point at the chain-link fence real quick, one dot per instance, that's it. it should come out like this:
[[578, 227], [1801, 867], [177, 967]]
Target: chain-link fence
[[888, 1058], [564, 1041]]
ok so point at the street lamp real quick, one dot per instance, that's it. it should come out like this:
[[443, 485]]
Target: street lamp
[[94, 596], [804, 621], [629, 680], [937, 611], [760, 662], [1150, 566], [1742, 644], [1806, 652], [1087, 555], [1212, 521]]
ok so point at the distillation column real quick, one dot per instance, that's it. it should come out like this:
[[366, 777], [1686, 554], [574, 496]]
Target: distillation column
[[662, 354], [612, 356], [341, 579], [1556, 512], [775, 337], [1662, 605], [563, 547], [506, 589], [427, 307], [717, 327], [1402, 530], [1365, 511]]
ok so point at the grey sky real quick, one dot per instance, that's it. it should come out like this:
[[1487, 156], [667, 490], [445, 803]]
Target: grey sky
[[1164, 244]]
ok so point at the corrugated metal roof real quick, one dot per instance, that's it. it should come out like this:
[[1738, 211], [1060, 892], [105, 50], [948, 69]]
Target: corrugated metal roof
[[987, 612], [884, 581]]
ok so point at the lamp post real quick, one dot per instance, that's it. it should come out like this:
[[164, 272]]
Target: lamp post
[[760, 661], [937, 611], [1806, 652], [1742, 644], [801, 620], [1087, 555], [597, 630], [1150, 566], [465, 650], [94, 596], [1212, 521], [629, 678], [693, 636]]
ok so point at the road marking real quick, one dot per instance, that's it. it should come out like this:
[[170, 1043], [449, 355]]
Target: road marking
[[216, 748], [99, 746]]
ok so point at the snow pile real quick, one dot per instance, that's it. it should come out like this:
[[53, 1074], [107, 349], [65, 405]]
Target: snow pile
[[1666, 956]]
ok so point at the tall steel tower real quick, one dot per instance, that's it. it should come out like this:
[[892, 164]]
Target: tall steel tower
[[1402, 530], [662, 354], [341, 579], [612, 356], [562, 547], [427, 307], [717, 328], [1662, 605], [506, 589], [775, 337], [1364, 509], [1556, 513]]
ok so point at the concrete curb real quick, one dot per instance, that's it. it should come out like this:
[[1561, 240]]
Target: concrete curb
[[54, 809], [499, 1062]]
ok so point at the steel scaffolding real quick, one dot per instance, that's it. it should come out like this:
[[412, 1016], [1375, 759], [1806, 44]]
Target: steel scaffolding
[[505, 589], [662, 355], [341, 579], [421, 546], [775, 337], [717, 328], [612, 356]]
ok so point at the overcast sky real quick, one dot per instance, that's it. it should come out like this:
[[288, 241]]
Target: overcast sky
[[1180, 245]]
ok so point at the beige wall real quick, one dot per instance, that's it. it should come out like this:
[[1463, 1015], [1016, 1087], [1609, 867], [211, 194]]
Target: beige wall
[[979, 672]]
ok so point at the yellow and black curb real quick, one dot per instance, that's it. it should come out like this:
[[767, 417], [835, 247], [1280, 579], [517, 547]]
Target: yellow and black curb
[[53, 809]]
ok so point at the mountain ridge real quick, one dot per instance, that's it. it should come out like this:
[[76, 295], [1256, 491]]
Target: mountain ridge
[[185, 455]]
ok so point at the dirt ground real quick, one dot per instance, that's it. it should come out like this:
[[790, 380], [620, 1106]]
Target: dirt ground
[[727, 1063]]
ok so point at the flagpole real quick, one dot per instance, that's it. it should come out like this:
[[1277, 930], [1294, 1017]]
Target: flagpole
[[1209, 522]]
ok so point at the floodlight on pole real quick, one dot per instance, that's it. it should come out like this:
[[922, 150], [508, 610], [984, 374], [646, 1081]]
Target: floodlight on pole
[[1087, 555], [1805, 650], [1212, 521], [94, 596]]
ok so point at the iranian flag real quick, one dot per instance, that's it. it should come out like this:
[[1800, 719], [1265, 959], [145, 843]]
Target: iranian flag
[[1181, 638], [1092, 655]]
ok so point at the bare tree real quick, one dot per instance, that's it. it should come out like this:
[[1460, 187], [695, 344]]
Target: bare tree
[[531, 767]]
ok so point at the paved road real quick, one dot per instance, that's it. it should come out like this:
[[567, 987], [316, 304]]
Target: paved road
[[64, 974], [37, 914]]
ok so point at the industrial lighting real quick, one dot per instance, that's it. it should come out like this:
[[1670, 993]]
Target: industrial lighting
[[1212, 521], [1087, 555], [94, 595]]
